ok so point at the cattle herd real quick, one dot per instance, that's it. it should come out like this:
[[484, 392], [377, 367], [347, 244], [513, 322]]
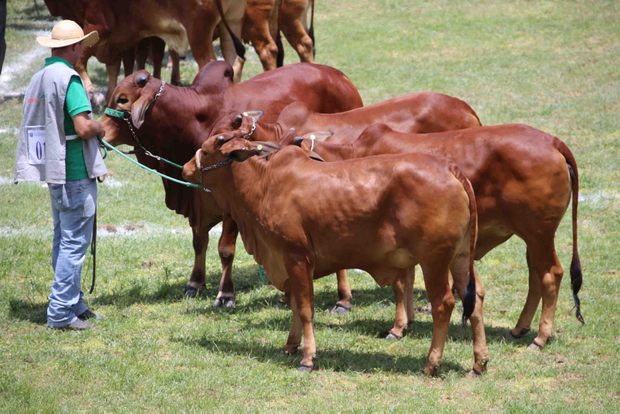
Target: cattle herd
[[316, 183]]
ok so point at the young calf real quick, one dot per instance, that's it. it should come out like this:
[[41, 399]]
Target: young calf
[[302, 219]]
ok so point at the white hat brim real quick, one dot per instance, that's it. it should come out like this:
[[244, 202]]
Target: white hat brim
[[89, 40]]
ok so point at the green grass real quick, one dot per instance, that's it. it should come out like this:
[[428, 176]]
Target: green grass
[[550, 64]]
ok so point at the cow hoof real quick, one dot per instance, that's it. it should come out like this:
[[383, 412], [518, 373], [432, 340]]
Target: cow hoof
[[431, 370], [224, 302], [391, 336], [518, 333], [341, 309], [473, 374], [190, 291], [305, 368], [290, 349]]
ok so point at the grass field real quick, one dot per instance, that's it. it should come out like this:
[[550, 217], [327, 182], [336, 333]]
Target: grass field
[[551, 64]]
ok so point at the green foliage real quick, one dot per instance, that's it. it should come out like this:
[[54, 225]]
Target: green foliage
[[550, 64]]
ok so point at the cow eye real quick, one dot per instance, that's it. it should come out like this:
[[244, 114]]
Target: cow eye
[[122, 100]]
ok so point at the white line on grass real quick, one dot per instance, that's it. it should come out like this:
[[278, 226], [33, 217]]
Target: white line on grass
[[137, 231], [26, 60]]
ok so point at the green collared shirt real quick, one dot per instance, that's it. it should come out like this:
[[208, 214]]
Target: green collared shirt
[[76, 102]]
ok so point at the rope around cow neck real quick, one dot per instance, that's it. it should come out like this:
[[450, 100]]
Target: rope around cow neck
[[106, 145]]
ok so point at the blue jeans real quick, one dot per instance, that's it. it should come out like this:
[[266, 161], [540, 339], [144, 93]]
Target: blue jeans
[[73, 211]]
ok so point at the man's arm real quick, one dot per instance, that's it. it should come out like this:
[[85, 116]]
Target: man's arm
[[87, 128]]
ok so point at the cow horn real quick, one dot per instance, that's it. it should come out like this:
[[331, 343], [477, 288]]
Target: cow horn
[[236, 123], [253, 114]]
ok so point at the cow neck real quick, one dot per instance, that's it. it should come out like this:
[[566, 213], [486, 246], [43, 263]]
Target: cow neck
[[241, 194], [332, 151], [178, 121]]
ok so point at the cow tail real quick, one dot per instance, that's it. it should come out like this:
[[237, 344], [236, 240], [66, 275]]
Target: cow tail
[[469, 300], [311, 29], [576, 276], [239, 48]]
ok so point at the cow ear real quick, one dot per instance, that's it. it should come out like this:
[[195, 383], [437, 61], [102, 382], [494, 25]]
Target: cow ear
[[138, 111], [255, 115], [241, 150]]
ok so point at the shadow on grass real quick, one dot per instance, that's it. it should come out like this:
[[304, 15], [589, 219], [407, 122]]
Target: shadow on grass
[[28, 311], [340, 360]]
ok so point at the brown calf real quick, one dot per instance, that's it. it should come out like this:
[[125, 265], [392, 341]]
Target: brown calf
[[386, 214]]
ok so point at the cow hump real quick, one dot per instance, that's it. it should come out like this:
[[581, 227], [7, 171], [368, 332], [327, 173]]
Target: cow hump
[[214, 77]]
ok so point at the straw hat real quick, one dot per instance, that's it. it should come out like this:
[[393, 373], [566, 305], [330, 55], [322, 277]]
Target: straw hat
[[68, 32]]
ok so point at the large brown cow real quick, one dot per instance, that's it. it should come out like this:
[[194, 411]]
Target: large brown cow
[[174, 122], [523, 179], [122, 24], [421, 112], [386, 214]]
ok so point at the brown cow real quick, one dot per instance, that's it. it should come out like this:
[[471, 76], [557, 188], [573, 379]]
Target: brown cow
[[122, 24], [174, 123], [416, 112], [386, 214], [523, 179]]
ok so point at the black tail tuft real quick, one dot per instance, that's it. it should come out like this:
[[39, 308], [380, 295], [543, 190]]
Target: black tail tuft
[[280, 55], [576, 280], [469, 300]]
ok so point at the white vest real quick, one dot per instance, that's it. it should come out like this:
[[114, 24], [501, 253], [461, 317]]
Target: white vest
[[41, 148]]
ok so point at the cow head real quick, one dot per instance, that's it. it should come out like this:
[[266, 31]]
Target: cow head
[[219, 151], [133, 97]]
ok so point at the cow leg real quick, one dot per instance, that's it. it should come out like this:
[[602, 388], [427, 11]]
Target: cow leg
[[343, 305], [200, 242], [228, 49], [531, 303], [158, 47], [292, 25], [301, 291], [544, 263], [226, 248], [113, 70], [400, 287], [142, 53], [460, 276], [201, 43], [128, 58], [175, 75], [436, 280]]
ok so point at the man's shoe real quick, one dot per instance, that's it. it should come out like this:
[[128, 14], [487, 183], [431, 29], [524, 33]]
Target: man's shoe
[[88, 314], [76, 325]]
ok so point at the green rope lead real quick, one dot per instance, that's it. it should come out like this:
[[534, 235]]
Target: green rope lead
[[107, 145], [262, 276]]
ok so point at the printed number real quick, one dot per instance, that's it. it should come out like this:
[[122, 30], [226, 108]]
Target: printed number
[[40, 150]]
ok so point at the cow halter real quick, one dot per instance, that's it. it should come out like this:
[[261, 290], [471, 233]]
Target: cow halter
[[126, 116]]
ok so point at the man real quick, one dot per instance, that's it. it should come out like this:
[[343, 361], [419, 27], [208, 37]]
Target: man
[[57, 145]]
